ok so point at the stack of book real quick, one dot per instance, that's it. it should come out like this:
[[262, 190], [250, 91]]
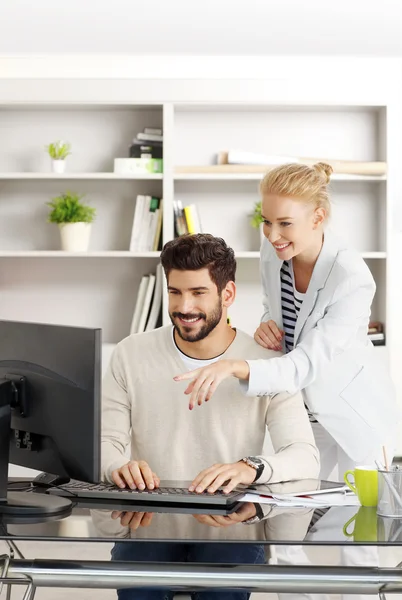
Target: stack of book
[[146, 232], [145, 154], [376, 333], [187, 219], [148, 144], [148, 307]]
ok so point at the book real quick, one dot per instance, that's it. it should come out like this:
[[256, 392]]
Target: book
[[146, 303], [157, 243], [139, 304], [238, 157], [377, 339], [179, 218], [146, 229], [150, 137], [141, 149], [145, 221], [153, 130], [156, 301], [375, 327], [135, 229], [235, 158], [192, 219], [138, 166]]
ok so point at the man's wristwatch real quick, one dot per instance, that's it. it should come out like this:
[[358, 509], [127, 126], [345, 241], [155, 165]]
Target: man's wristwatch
[[256, 463], [259, 515]]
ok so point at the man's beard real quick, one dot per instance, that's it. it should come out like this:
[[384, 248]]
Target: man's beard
[[209, 325]]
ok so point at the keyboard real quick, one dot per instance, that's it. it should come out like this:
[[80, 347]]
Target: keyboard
[[167, 493]]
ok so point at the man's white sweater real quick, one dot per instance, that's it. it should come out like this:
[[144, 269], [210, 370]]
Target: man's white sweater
[[145, 416]]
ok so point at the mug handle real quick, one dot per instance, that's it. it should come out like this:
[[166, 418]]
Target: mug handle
[[345, 527], [348, 483]]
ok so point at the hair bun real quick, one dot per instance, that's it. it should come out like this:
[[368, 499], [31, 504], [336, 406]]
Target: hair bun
[[324, 169]]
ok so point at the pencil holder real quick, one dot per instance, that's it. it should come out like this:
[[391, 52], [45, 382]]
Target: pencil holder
[[390, 493]]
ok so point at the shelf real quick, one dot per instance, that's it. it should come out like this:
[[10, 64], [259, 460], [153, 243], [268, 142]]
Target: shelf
[[126, 254], [62, 254], [77, 176], [247, 254], [365, 255], [258, 177]]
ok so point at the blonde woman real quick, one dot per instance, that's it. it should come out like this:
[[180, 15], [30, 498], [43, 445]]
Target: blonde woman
[[317, 300]]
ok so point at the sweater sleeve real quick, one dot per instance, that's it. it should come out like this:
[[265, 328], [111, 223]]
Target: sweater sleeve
[[116, 418], [296, 455]]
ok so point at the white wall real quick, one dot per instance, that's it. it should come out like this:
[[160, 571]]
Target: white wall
[[225, 27]]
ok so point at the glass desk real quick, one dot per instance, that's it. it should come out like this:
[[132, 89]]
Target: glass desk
[[186, 549]]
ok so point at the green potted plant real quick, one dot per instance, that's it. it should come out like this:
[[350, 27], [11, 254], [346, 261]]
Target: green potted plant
[[74, 219], [58, 152], [257, 220]]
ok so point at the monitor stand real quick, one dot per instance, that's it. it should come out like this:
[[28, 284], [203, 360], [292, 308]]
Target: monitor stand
[[26, 503], [30, 504]]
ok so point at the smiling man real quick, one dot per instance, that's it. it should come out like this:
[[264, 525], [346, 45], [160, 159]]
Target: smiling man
[[148, 431]]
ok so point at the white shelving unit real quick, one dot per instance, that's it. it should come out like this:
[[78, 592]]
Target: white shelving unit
[[80, 176], [80, 255], [98, 288], [339, 115], [257, 177]]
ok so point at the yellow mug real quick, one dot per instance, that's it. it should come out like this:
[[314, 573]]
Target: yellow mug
[[365, 484], [365, 525]]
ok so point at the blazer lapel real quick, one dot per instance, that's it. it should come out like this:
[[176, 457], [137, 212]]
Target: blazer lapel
[[270, 270], [318, 279]]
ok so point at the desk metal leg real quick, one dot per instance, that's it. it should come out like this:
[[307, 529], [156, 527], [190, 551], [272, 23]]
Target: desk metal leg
[[10, 581], [177, 576], [5, 560], [6, 579], [381, 595]]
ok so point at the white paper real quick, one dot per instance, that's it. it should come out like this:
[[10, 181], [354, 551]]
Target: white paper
[[331, 499]]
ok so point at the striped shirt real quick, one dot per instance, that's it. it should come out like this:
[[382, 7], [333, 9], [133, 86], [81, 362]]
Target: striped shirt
[[291, 301]]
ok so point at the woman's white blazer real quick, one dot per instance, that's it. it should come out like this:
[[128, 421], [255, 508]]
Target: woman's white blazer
[[345, 386]]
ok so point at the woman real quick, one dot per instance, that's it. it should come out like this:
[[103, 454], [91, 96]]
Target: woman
[[317, 300]]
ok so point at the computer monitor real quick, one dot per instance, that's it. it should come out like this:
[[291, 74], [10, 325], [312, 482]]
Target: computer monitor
[[50, 415]]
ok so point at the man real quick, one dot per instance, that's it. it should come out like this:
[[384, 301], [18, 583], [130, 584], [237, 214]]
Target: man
[[148, 431]]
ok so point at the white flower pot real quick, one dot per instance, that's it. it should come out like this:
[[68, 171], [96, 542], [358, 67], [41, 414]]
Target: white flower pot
[[58, 166], [75, 236]]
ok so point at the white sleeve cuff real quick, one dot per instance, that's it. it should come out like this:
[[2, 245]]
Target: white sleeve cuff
[[258, 373]]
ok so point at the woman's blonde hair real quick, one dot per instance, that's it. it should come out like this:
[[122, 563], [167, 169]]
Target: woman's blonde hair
[[300, 182]]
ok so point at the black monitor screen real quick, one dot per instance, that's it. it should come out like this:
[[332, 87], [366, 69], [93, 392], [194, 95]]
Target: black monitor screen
[[56, 425]]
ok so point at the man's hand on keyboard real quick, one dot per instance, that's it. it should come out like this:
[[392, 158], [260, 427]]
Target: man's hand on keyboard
[[214, 477], [133, 520], [136, 475], [245, 512]]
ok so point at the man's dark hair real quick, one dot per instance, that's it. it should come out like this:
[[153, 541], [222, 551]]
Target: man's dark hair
[[201, 251]]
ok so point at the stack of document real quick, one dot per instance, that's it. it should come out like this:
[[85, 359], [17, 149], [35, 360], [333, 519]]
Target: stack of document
[[339, 496]]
